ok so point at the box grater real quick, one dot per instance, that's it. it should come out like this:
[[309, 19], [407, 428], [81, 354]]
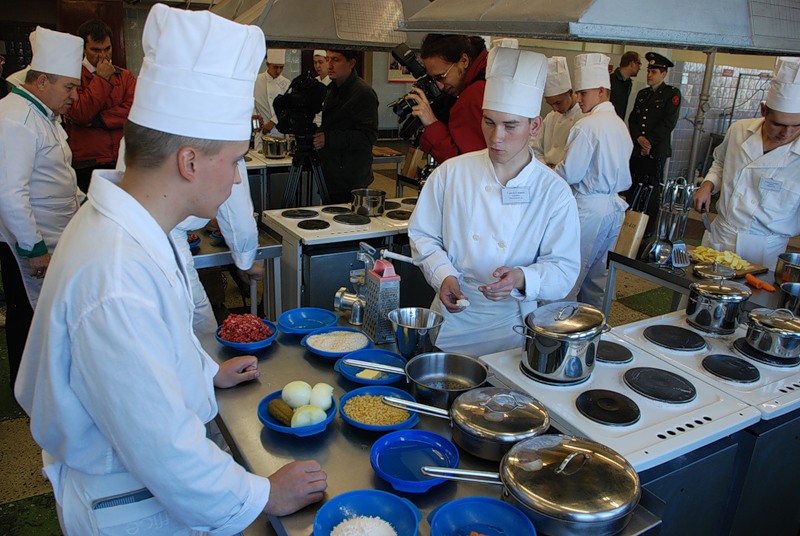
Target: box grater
[[382, 296]]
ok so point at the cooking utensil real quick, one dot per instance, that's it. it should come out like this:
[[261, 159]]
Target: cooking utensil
[[776, 333], [716, 306], [713, 270], [437, 378], [368, 202], [566, 485], [790, 297], [415, 329], [488, 421], [705, 218], [787, 270], [373, 355], [680, 256], [635, 199], [646, 202], [274, 147]]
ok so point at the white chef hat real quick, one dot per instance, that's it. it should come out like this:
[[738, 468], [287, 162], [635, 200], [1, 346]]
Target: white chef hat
[[515, 81], [198, 75], [56, 53], [323, 53], [784, 91], [558, 81], [508, 42], [591, 71], [276, 56]]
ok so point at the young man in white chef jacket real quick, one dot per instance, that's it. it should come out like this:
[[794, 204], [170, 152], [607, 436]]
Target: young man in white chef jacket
[[117, 386], [756, 171], [496, 230], [269, 85], [596, 167]]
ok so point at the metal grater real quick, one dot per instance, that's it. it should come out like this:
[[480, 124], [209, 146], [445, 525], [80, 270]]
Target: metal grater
[[382, 296]]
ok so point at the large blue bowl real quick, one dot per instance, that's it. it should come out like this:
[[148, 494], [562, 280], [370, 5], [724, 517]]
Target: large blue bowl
[[304, 320], [250, 346], [301, 431], [400, 513], [483, 515], [333, 355], [398, 456], [378, 390], [372, 355]]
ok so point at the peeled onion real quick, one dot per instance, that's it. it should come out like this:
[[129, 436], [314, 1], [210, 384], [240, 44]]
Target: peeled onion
[[321, 396], [307, 416], [296, 394]]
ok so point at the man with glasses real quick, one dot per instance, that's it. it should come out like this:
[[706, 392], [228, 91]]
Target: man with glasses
[[621, 82]]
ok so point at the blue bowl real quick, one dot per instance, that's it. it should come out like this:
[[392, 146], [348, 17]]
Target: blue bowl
[[379, 390], [194, 243], [302, 431], [333, 355], [304, 320], [400, 513], [383, 357], [250, 346], [398, 456], [217, 238], [483, 515]]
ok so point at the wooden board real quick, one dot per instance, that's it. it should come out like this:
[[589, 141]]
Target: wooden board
[[755, 269]]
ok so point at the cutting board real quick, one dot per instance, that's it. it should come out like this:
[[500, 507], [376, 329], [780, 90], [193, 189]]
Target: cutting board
[[755, 269]]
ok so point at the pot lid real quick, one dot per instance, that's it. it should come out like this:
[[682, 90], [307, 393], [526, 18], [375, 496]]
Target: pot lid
[[722, 290], [713, 270], [566, 320], [570, 478], [779, 320], [500, 415]]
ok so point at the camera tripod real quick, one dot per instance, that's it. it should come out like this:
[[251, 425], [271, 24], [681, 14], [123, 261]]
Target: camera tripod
[[306, 160]]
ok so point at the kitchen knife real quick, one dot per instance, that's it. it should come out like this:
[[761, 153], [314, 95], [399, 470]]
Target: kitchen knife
[[635, 197], [706, 220]]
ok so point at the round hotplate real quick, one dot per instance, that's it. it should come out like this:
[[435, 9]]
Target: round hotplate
[[351, 219], [608, 407], [336, 210], [398, 214], [313, 225], [409, 201], [299, 213], [743, 347], [660, 385], [611, 352], [391, 205], [732, 368], [674, 338]]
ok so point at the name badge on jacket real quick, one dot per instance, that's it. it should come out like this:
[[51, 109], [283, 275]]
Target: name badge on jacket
[[770, 185], [515, 196]]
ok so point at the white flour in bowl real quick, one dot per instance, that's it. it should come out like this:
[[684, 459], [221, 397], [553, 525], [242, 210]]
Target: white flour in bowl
[[363, 526], [338, 341]]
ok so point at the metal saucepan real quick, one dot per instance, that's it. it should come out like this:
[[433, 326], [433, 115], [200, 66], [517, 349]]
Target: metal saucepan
[[561, 341], [776, 333], [568, 486], [415, 329], [488, 421], [368, 202], [274, 147], [787, 270], [716, 306], [713, 270], [436, 378], [790, 297]]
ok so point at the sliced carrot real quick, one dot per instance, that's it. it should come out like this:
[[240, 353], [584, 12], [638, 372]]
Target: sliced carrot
[[758, 283]]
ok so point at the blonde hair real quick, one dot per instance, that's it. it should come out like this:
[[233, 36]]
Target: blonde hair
[[147, 148]]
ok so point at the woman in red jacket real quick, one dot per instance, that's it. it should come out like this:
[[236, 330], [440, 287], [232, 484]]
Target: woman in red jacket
[[458, 65]]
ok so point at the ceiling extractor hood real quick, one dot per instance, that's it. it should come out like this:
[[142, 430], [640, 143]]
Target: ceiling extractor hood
[[749, 26]]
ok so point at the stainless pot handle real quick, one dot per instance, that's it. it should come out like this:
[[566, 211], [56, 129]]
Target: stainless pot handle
[[561, 312], [373, 366], [606, 328], [523, 333], [782, 310], [562, 469], [464, 475], [416, 407]]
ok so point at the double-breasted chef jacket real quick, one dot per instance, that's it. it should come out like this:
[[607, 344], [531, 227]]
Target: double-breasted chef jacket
[[550, 143], [266, 89]]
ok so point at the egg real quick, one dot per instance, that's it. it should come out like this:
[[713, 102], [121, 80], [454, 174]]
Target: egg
[[321, 396], [296, 394]]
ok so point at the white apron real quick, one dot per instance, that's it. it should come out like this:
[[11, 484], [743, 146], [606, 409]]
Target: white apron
[[760, 249]]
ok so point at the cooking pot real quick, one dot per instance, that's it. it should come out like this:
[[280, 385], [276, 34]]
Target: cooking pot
[[787, 270], [274, 147], [488, 421], [716, 306], [713, 270], [561, 341], [436, 378], [790, 297], [776, 333], [368, 202], [568, 486]]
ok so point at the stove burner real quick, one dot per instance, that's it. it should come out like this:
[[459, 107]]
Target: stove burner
[[336, 210], [661, 385], [313, 225], [391, 205], [732, 368], [742, 346], [398, 214], [351, 219], [541, 379], [674, 338], [409, 201], [608, 407], [611, 352], [299, 213]]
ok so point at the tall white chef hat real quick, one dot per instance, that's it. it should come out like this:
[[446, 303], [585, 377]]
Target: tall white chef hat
[[323, 53], [56, 53], [276, 56], [591, 71], [198, 75], [558, 81], [515, 81], [784, 91]]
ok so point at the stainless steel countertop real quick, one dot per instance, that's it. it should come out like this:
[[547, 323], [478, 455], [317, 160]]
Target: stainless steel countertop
[[209, 254], [342, 450]]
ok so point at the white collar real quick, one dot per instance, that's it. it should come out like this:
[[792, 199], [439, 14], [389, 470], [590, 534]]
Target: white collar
[[89, 67]]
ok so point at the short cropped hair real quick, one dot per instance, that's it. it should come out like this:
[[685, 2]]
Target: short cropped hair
[[452, 46], [628, 58], [348, 54], [96, 29], [148, 148], [31, 76]]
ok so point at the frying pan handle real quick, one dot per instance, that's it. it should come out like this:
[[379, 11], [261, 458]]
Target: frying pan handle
[[373, 366], [465, 475], [416, 407]]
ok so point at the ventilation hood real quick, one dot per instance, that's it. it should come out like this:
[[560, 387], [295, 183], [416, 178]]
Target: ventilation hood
[[737, 26]]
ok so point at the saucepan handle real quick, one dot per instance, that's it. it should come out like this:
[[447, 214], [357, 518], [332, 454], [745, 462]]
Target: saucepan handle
[[416, 407], [521, 330], [373, 366], [465, 475]]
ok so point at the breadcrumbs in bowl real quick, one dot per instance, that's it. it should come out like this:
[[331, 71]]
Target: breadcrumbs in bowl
[[336, 341], [364, 408]]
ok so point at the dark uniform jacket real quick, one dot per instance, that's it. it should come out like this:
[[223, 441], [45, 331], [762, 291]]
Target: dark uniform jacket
[[350, 124], [654, 116], [620, 91]]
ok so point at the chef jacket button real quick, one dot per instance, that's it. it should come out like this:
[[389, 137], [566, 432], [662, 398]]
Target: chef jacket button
[[502, 245], [476, 237], [488, 188]]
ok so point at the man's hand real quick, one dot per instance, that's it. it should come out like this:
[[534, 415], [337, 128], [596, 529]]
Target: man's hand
[[105, 69], [646, 145], [267, 127], [423, 108], [501, 289], [234, 371], [39, 265], [702, 196], [294, 486], [254, 273], [319, 141], [450, 293]]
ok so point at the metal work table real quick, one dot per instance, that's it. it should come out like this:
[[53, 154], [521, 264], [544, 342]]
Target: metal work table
[[676, 281], [342, 450]]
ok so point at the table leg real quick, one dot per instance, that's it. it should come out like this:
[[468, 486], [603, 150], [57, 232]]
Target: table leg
[[264, 177], [253, 297], [609, 293], [276, 285]]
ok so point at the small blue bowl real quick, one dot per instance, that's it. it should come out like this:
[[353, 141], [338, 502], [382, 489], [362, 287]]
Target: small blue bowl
[[304, 320], [217, 238], [483, 515], [194, 243], [250, 346], [333, 355], [302, 431], [400, 513], [398, 456], [383, 357], [379, 390]]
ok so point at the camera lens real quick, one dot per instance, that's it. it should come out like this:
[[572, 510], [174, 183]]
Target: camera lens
[[402, 107]]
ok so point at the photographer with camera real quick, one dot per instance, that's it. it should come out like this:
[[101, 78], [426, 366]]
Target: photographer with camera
[[349, 128]]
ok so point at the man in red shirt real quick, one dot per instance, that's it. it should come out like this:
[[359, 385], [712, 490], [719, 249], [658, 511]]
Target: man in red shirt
[[94, 123]]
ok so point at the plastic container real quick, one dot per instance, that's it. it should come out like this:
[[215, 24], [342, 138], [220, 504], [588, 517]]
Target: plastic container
[[398, 456], [483, 515], [304, 320], [378, 390], [372, 355], [332, 329], [250, 346], [400, 513], [302, 431]]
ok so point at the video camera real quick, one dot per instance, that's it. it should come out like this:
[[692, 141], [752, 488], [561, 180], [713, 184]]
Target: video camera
[[297, 107]]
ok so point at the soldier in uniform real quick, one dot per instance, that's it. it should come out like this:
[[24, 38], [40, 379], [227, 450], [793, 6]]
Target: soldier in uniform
[[654, 116]]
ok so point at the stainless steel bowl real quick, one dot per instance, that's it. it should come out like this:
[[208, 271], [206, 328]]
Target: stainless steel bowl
[[415, 329], [788, 268]]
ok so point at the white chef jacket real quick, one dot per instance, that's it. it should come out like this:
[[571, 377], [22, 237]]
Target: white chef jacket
[[461, 227], [39, 189], [759, 204], [117, 386], [550, 143], [267, 88]]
